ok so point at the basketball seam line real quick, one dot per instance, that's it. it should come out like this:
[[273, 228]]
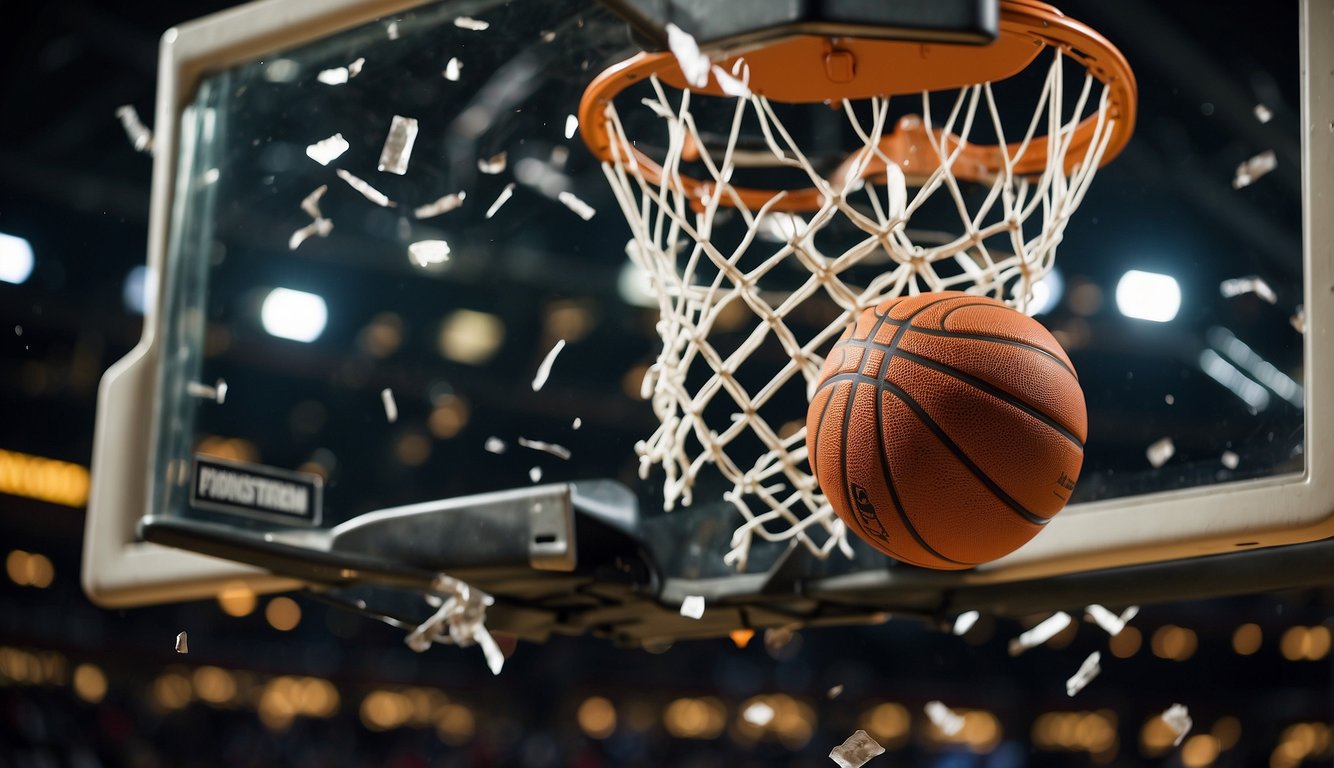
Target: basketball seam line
[[889, 481], [985, 337], [862, 379], [976, 471], [946, 316], [943, 368], [944, 439], [819, 427], [888, 352], [881, 385], [843, 439], [905, 325], [979, 384], [885, 469], [881, 320]]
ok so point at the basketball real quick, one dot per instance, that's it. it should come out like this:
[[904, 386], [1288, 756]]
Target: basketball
[[947, 429]]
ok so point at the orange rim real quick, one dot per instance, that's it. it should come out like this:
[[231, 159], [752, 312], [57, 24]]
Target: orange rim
[[812, 69]]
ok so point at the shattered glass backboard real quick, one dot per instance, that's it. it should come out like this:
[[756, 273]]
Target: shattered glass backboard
[[389, 273]]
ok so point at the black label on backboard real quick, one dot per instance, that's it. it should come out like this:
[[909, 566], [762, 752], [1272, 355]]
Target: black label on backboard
[[256, 491]]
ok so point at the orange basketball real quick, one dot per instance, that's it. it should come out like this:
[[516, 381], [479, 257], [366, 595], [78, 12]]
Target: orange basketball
[[947, 429]]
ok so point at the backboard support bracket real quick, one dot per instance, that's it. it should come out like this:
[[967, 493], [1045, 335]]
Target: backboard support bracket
[[734, 26]]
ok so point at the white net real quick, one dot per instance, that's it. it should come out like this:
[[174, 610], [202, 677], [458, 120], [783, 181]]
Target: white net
[[718, 385]]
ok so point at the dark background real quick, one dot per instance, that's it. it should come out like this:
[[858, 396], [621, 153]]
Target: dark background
[[73, 187]]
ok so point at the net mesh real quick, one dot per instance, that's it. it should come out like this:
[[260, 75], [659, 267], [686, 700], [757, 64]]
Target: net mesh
[[705, 267]]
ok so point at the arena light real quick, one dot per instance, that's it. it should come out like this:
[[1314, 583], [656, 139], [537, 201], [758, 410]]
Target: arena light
[[889, 722], [1148, 296], [15, 259], [1174, 643], [597, 717], [455, 724], [49, 480], [171, 691], [236, 598], [385, 710], [1199, 751], [1125, 643], [213, 685], [1246, 639], [633, 283], [134, 292], [470, 337], [283, 614], [29, 569], [702, 718], [1046, 294], [90, 683], [294, 315]]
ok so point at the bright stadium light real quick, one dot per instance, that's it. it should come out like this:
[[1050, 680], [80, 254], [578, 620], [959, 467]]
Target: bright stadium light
[[134, 292], [1047, 293], [634, 285], [294, 315], [15, 259], [1148, 296]]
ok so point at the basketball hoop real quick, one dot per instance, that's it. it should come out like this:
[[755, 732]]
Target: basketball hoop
[[1010, 201]]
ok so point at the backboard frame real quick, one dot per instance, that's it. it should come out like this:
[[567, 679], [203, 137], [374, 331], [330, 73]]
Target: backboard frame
[[1190, 523], [119, 569], [122, 570]]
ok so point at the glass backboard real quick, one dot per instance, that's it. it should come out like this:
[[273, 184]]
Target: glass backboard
[[342, 326]]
